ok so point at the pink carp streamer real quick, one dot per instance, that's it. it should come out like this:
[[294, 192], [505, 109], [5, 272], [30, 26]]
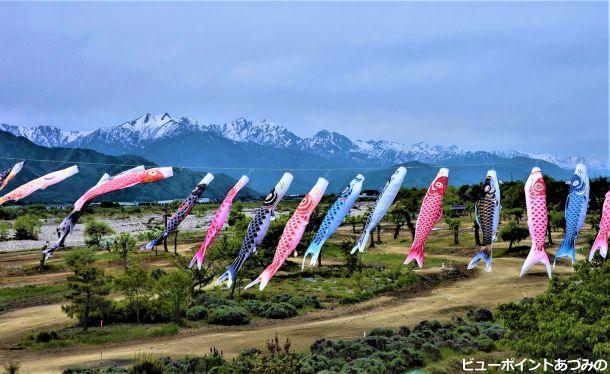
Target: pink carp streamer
[[601, 241], [106, 184], [7, 175], [429, 214], [291, 236], [124, 180], [220, 217], [537, 220], [41, 183]]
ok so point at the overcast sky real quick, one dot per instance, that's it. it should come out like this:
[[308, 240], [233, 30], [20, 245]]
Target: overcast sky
[[530, 76]]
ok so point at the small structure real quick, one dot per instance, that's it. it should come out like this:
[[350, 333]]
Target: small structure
[[458, 210], [369, 194]]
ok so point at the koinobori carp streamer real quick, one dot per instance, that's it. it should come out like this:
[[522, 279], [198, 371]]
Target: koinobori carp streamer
[[429, 214], [107, 184], [601, 240], [183, 210], [10, 173], [220, 217], [257, 229], [293, 232], [487, 215], [383, 203], [335, 215], [537, 220], [41, 183], [575, 213]]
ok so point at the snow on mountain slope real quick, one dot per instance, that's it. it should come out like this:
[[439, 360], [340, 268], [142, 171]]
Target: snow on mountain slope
[[135, 135], [263, 133], [48, 136]]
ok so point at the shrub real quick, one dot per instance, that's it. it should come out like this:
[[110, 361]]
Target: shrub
[[256, 307], [313, 301], [280, 310], [95, 231], [404, 331], [147, 364], [229, 316], [483, 343], [27, 227], [157, 273], [297, 302], [4, 227], [381, 331], [480, 315], [196, 312], [43, 336]]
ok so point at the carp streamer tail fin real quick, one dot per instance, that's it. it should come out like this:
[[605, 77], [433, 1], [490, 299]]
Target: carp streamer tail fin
[[485, 255], [537, 254], [566, 249], [264, 278], [229, 275], [416, 253], [364, 239], [314, 252], [198, 258], [600, 244]]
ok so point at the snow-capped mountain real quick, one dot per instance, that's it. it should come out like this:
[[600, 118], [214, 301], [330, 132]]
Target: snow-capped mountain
[[143, 133], [48, 136], [263, 133]]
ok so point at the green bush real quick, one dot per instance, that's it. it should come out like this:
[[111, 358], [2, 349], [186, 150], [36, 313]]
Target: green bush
[[297, 302], [280, 310], [569, 320], [27, 227], [196, 312], [485, 344], [480, 315], [313, 301], [95, 231], [229, 316], [147, 364], [4, 227], [43, 336], [381, 331]]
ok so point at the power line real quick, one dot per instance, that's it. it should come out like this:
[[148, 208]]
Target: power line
[[490, 164]]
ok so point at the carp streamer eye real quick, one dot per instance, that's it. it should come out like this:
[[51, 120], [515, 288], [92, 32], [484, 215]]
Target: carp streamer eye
[[576, 183], [487, 188], [538, 186], [439, 184]]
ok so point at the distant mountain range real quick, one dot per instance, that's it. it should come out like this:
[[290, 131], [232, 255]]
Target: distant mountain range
[[264, 148], [92, 165]]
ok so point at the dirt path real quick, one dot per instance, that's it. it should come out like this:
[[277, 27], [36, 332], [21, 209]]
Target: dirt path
[[488, 290], [15, 323]]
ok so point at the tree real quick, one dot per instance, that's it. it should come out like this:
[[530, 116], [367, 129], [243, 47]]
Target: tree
[[174, 294], [95, 231], [517, 213], [352, 261], [513, 233], [454, 225], [136, 284], [352, 220], [4, 227], [399, 214], [86, 288], [124, 242], [557, 220], [27, 227]]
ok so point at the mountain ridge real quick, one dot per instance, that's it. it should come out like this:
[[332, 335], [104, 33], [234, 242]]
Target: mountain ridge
[[263, 150]]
